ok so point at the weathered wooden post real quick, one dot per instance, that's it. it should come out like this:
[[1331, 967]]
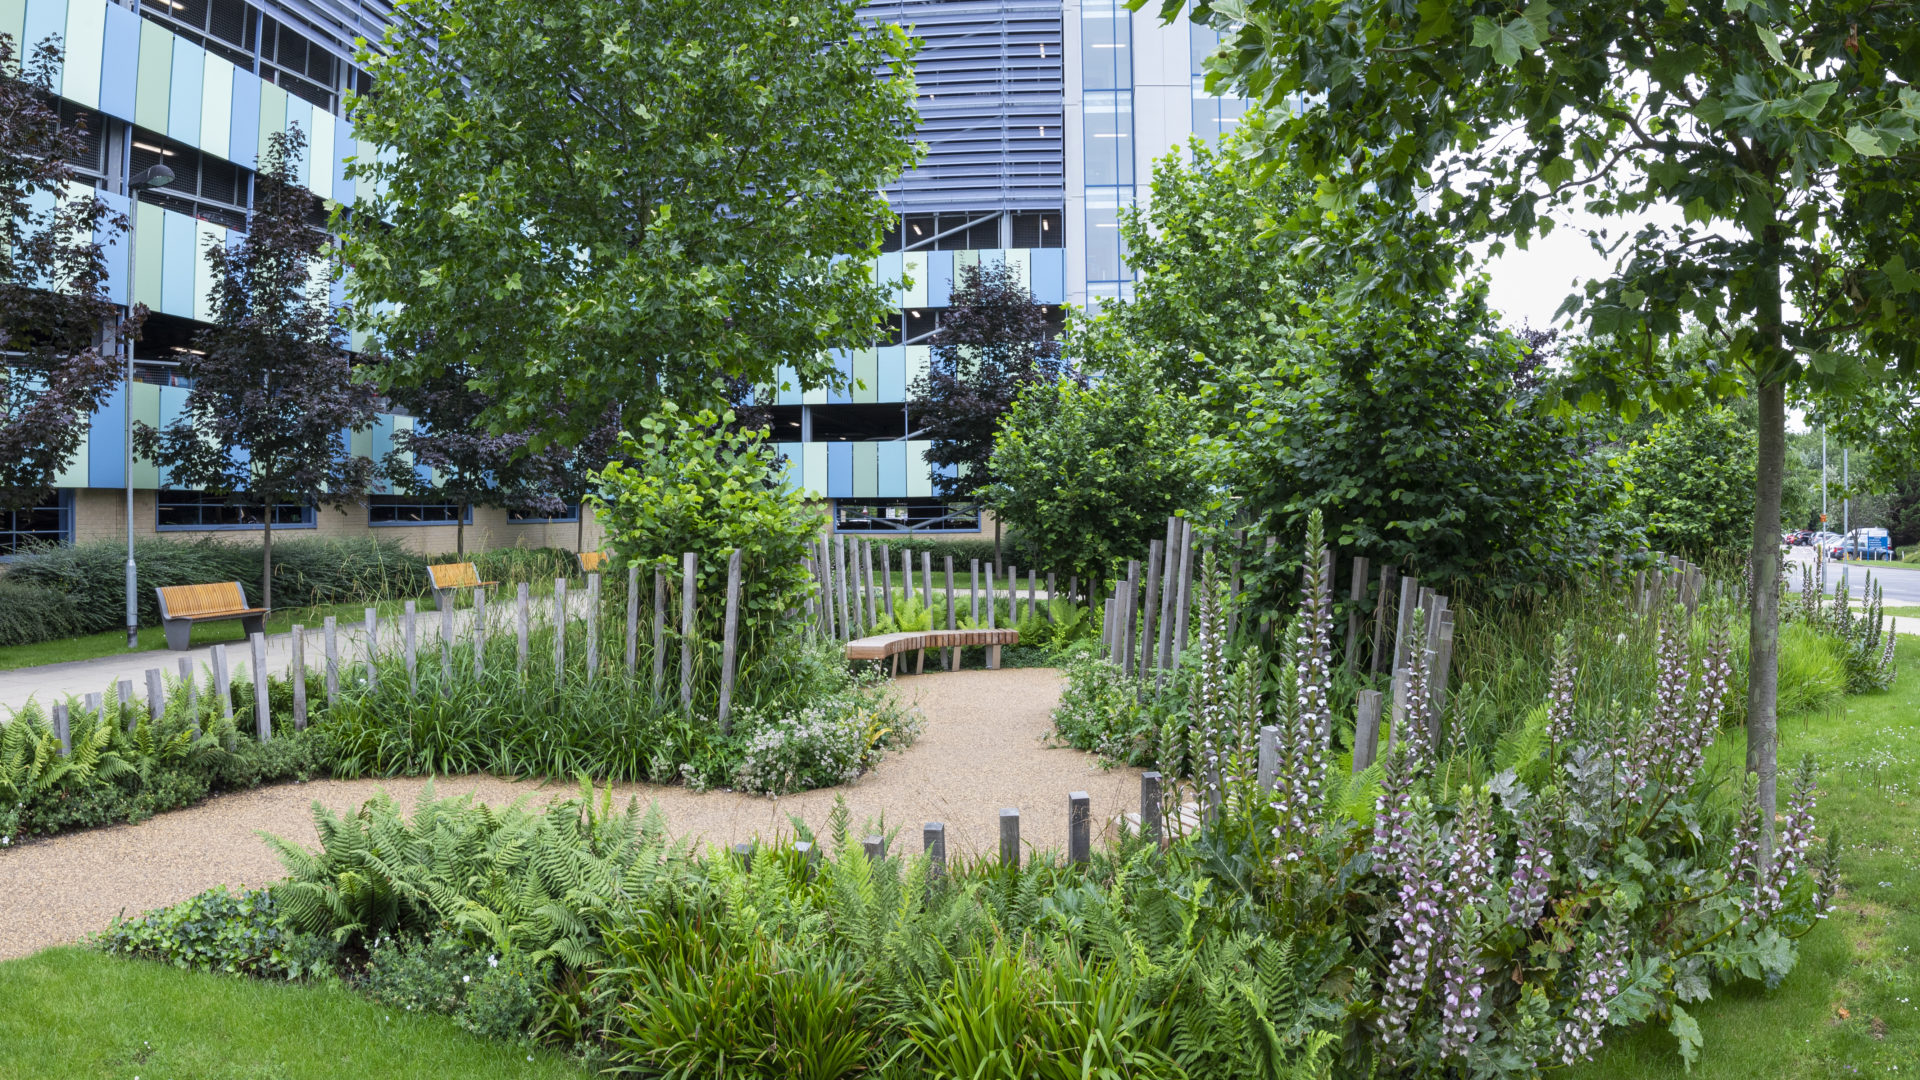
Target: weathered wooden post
[[1052, 595], [1382, 603], [993, 591], [520, 626], [1031, 581], [839, 547], [156, 694], [933, 841], [743, 852], [1079, 826], [1269, 749], [559, 629], [926, 585], [1409, 599], [262, 717], [1366, 729], [1402, 678], [188, 680], [479, 633], [633, 620], [875, 847], [331, 643], [886, 578], [298, 672], [728, 640], [124, 691], [1356, 595], [973, 591], [1129, 627], [407, 645], [1183, 598], [1149, 646], [373, 648], [809, 858], [1009, 837], [446, 645], [660, 632], [951, 613], [95, 707], [689, 582], [593, 625], [1013, 597], [862, 586], [63, 728], [223, 681], [1442, 664]]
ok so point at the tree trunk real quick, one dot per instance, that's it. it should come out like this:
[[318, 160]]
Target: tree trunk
[[998, 561], [460, 535], [266, 560], [1763, 669], [580, 527]]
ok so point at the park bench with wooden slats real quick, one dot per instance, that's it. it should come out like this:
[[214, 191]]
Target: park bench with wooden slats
[[885, 646], [592, 562], [447, 577], [183, 605]]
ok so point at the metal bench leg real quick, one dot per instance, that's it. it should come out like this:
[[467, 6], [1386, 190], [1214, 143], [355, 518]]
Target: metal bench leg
[[179, 633], [253, 624], [440, 599]]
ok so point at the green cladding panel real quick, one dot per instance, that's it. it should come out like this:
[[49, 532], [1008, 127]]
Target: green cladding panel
[[813, 471], [866, 470], [154, 88], [13, 20], [866, 375], [149, 256], [146, 410], [86, 38]]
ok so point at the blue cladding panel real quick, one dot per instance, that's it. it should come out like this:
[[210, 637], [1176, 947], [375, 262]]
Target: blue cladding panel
[[790, 464], [787, 385], [839, 470], [183, 107], [107, 442], [940, 279], [893, 470], [843, 362], [1050, 275], [177, 259], [343, 148], [243, 138], [122, 62], [113, 246], [45, 19], [888, 272], [382, 443], [892, 374]]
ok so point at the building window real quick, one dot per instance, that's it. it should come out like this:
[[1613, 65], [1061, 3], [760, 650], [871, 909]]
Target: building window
[[416, 510], [39, 526], [92, 129], [204, 186], [571, 513], [904, 515], [224, 27], [1037, 229], [301, 67], [205, 510]]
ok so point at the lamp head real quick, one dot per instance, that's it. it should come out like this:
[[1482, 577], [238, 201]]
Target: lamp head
[[153, 176]]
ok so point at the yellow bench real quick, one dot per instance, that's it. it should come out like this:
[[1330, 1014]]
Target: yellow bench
[[882, 646], [183, 605], [592, 562], [447, 577]]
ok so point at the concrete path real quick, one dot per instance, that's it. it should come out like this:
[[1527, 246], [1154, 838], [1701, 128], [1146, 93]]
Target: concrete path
[[982, 750]]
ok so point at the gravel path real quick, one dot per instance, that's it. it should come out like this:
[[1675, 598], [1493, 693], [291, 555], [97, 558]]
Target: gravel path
[[981, 751]]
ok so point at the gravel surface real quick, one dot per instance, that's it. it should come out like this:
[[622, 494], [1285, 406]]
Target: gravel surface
[[981, 751]]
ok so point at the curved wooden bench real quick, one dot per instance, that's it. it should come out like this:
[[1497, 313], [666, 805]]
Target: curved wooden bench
[[447, 577], [884, 646], [183, 605]]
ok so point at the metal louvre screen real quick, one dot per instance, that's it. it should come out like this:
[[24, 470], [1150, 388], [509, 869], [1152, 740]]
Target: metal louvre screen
[[991, 87], [333, 24]]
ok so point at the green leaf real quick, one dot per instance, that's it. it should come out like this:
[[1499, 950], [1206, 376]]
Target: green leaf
[[1687, 1030], [1864, 141], [1557, 171], [1506, 40], [1772, 41]]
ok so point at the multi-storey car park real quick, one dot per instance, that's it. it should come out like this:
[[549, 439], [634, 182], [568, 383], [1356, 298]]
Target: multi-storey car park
[[1041, 119]]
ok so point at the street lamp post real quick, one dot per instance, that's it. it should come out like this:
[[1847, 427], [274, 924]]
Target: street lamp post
[[153, 176]]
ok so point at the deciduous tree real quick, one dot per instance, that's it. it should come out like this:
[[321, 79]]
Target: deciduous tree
[[1780, 137], [55, 373], [600, 203], [273, 391]]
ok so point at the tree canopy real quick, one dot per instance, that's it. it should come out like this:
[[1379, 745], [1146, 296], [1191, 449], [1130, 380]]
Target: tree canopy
[[598, 204], [53, 283]]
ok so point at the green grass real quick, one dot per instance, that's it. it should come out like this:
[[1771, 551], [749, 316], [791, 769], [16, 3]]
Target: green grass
[[71, 1012], [1852, 1006], [1909, 612]]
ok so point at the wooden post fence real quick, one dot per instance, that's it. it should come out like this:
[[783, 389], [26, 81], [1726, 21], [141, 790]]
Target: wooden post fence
[[262, 718], [728, 640], [298, 672], [689, 581]]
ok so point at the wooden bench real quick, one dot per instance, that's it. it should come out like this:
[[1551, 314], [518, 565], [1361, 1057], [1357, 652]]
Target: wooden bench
[[592, 562], [447, 577], [884, 646], [183, 605]]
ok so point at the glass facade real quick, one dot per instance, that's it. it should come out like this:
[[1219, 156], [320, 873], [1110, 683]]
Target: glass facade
[[191, 510], [415, 510], [23, 530]]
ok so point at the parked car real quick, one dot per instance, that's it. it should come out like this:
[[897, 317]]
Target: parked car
[[1862, 544]]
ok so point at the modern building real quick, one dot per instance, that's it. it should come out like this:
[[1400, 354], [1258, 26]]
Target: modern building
[[1041, 118]]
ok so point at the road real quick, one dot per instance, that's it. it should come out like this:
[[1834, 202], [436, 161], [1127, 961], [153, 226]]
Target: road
[[1901, 584]]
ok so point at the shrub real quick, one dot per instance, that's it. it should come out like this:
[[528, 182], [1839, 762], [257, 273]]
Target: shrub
[[825, 743], [306, 571], [32, 613], [237, 933], [1812, 673], [511, 565]]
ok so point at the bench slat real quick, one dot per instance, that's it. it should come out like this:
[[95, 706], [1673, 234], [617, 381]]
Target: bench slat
[[461, 575], [881, 646], [204, 601]]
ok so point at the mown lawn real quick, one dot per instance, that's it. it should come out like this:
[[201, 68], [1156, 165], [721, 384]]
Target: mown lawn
[[114, 642], [73, 1014], [1852, 1006]]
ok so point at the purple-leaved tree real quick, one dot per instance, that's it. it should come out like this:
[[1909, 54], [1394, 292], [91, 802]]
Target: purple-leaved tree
[[275, 391], [56, 371]]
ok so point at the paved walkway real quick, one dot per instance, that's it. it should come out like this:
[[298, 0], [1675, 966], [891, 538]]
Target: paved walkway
[[981, 751]]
